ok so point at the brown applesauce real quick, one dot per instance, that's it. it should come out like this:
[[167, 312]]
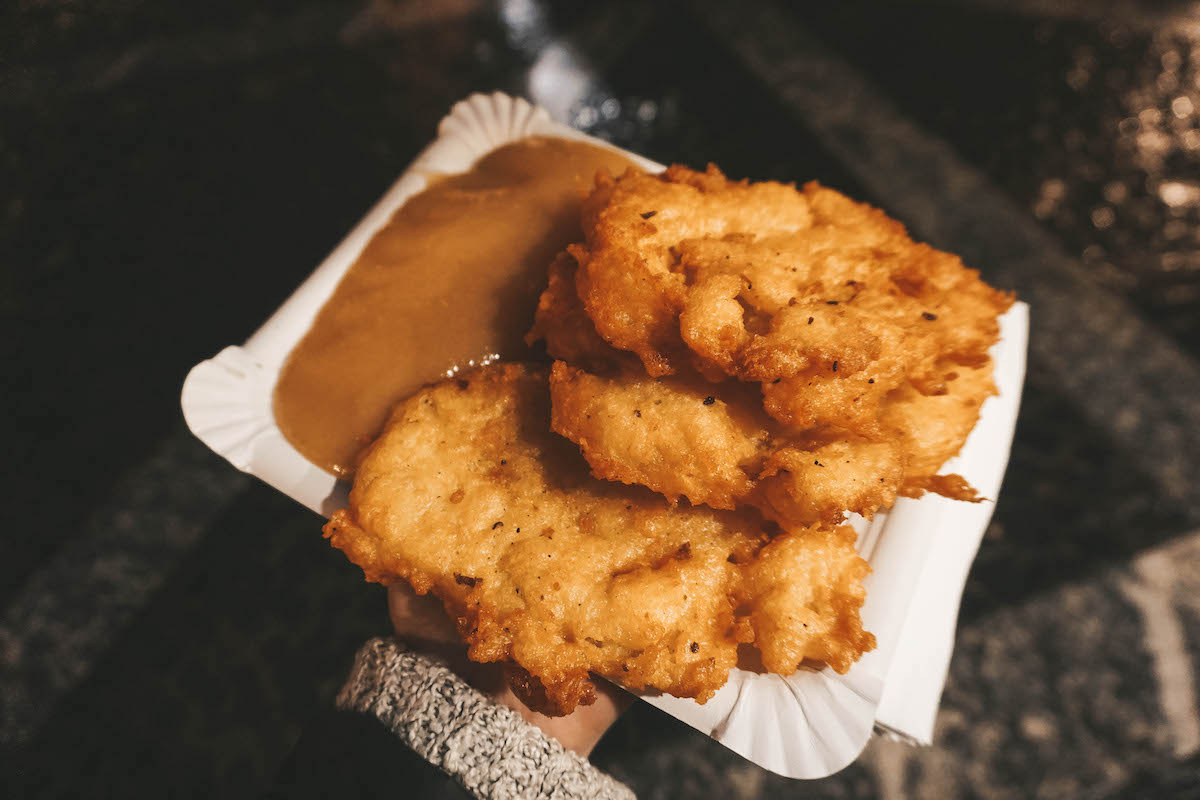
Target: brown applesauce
[[450, 282]]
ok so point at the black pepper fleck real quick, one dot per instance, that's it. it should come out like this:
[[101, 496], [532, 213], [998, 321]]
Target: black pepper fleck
[[708, 401]]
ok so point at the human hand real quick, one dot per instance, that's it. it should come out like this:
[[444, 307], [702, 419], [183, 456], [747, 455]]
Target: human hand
[[421, 623]]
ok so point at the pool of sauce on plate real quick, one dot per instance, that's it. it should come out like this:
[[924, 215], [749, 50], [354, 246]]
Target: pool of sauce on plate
[[450, 282]]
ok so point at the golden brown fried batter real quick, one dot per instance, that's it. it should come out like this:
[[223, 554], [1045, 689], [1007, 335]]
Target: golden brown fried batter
[[631, 281], [763, 282], [870, 350], [932, 428], [825, 482], [798, 584], [468, 494], [562, 324], [678, 437], [685, 437]]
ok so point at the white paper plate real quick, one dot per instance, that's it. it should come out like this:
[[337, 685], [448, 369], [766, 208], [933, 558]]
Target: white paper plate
[[808, 725]]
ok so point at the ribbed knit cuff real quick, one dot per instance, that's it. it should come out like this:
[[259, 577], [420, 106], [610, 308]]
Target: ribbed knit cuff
[[486, 747]]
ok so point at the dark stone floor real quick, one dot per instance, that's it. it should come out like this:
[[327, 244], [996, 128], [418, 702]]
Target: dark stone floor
[[169, 172]]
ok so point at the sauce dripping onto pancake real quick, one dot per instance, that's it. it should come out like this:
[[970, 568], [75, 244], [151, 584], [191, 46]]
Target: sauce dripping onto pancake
[[450, 282]]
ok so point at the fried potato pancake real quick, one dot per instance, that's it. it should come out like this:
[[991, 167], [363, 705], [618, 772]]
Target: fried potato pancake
[[865, 353], [678, 437], [714, 445], [826, 302], [630, 280], [469, 495]]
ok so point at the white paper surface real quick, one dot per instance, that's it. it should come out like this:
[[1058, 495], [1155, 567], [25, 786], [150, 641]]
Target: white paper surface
[[918, 671], [808, 725]]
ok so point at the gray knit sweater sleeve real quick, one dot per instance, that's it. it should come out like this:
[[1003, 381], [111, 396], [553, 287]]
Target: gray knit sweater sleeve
[[486, 747]]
